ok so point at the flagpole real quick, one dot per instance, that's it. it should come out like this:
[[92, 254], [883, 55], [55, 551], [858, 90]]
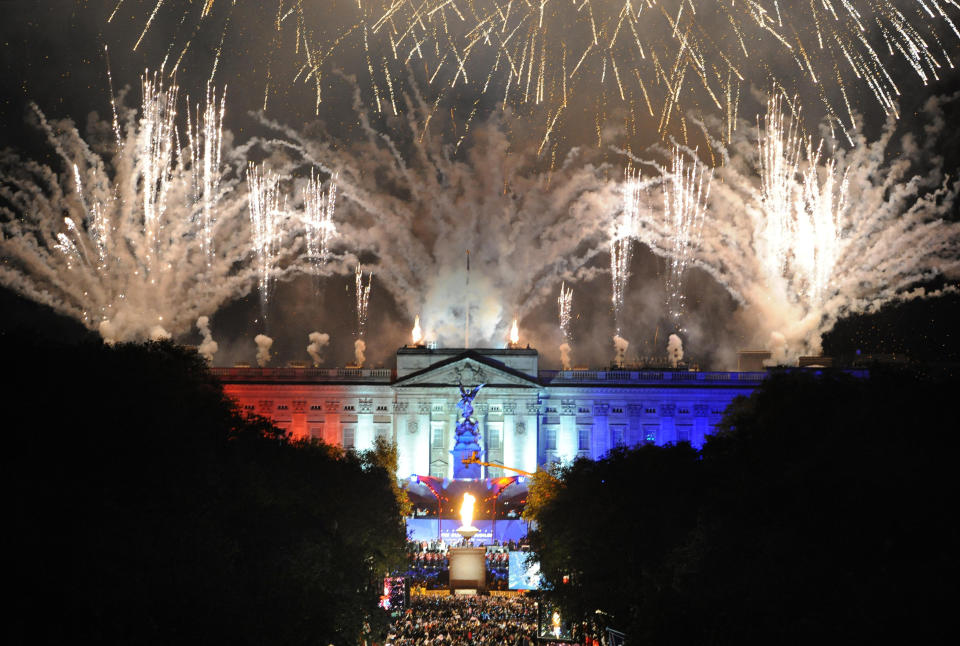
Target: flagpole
[[466, 328]]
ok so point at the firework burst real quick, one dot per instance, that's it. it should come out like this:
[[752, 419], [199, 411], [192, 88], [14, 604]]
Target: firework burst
[[653, 60], [138, 237], [802, 237]]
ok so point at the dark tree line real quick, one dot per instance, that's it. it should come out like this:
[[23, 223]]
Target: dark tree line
[[824, 509], [141, 508]]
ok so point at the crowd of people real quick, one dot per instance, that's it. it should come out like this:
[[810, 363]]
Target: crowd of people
[[456, 621]]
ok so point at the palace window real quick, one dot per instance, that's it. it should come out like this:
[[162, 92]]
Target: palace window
[[438, 469], [438, 452], [583, 439], [494, 437], [349, 437], [650, 435], [618, 435], [550, 439]]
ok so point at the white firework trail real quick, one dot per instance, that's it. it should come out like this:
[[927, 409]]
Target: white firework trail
[[319, 204], [620, 255], [362, 294], [205, 138], [565, 304], [622, 234], [653, 58], [779, 146], [685, 193], [157, 144], [269, 222], [819, 237]]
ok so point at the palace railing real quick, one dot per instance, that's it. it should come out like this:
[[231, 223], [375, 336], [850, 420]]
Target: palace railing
[[653, 377]]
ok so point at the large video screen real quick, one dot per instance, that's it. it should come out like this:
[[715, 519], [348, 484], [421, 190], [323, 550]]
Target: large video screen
[[524, 572], [551, 624]]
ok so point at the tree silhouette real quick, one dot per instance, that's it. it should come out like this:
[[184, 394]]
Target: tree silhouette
[[821, 510], [145, 509]]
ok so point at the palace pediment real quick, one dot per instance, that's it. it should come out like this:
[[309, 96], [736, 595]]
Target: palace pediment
[[468, 368]]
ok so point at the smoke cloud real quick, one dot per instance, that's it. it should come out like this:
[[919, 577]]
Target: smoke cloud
[[263, 349], [318, 341], [674, 350], [413, 206], [779, 350], [620, 346], [565, 356], [208, 347], [107, 332], [157, 333], [359, 347]]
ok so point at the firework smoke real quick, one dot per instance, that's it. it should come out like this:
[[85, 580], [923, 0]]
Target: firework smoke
[[208, 347], [318, 341], [107, 332], [158, 333], [412, 207], [779, 350], [359, 356], [416, 335], [263, 349], [674, 350], [620, 346]]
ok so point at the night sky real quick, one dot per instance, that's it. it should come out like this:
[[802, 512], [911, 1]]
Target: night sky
[[53, 55]]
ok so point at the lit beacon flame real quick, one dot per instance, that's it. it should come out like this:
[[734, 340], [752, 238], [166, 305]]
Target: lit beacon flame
[[417, 332], [514, 333], [466, 510]]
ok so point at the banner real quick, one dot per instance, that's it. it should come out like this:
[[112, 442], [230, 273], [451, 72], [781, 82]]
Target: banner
[[426, 529]]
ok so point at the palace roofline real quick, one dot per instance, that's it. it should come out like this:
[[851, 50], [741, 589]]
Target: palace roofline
[[408, 369]]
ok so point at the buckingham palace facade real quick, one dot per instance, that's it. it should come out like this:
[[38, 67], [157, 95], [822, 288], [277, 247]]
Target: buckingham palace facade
[[527, 417]]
